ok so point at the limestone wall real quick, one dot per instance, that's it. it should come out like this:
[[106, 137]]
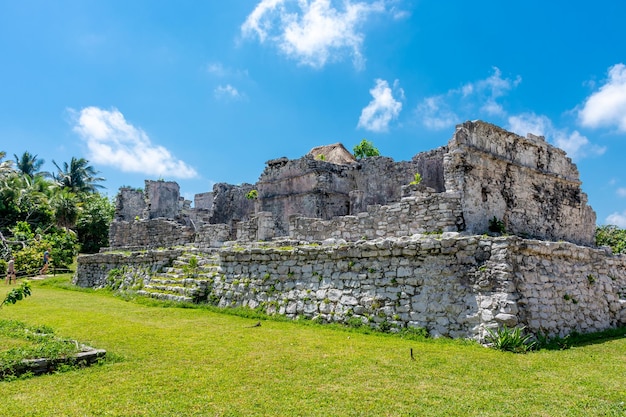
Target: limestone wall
[[93, 270], [525, 182], [424, 211], [451, 285], [129, 204], [212, 235], [230, 203], [153, 233], [162, 199], [565, 288]]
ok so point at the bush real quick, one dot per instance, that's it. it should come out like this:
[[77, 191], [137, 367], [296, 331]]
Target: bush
[[611, 236], [510, 340], [92, 225]]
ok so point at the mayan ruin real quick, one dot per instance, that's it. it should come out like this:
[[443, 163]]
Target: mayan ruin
[[498, 232]]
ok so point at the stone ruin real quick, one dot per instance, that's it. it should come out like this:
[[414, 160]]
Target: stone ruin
[[497, 233]]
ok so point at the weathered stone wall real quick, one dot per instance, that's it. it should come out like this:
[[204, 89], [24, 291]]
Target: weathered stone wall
[[564, 288], [430, 167], [305, 186], [230, 203], [259, 228], [525, 182], [424, 211], [212, 235], [203, 201], [153, 233], [93, 270], [129, 204], [162, 199], [451, 285], [380, 179]]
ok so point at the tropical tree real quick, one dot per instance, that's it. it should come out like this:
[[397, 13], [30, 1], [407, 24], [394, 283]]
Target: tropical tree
[[92, 225], [28, 164], [23, 198], [65, 205], [365, 149], [78, 176]]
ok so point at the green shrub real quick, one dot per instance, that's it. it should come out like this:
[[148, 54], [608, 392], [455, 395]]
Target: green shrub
[[497, 226], [417, 178], [510, 339], [252, 194]]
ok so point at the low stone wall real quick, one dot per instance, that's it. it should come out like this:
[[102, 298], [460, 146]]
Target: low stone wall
[[153, 233], [424, 211], [451, 285], [93, 270], [212, 235], [564, 288]]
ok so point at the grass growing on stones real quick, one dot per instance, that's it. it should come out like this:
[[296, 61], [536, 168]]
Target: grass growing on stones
[[196, 362]]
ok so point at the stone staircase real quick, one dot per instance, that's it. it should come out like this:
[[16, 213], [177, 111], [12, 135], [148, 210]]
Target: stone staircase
[[184, 282]]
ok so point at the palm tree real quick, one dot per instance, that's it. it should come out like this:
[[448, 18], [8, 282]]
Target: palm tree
[[78, 176], [28, 164]]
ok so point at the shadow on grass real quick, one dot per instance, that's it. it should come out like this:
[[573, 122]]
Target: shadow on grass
[[576, 339]]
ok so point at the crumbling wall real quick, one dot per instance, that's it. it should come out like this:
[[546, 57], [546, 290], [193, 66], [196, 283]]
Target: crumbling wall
[[525, 182], [153, 233], [129, 204], [380, 179], [423, 211], [162, 199], [231, 204], [212, 235], [430, 167], [93, 270], [305, 186]]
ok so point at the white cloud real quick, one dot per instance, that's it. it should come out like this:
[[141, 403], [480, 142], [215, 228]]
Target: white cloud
[[112, 141], [607, 106], [314, 32], [475, 99], [575, 144], [216, 68], [621, 192], [383, 108], [617, 219], [436, 114], [227, 91]]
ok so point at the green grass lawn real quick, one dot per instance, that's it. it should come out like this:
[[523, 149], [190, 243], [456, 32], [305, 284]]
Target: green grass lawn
[[194, 362]]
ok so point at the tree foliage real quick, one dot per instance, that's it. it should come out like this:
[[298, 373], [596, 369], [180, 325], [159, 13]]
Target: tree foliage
[[365, 149], [612, 236], [78, 176], [39, 211], [93, 223], [28, 164]]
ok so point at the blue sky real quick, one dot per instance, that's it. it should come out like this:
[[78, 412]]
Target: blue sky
[[206, 91]]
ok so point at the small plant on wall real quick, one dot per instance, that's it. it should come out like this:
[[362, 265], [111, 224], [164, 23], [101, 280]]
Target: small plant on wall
[[417, 178], [497, 226], [252, 195]]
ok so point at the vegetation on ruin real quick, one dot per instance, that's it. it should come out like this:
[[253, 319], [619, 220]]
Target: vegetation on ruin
[[196, 361], [611, 236], [417, 178], [365, 149]]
